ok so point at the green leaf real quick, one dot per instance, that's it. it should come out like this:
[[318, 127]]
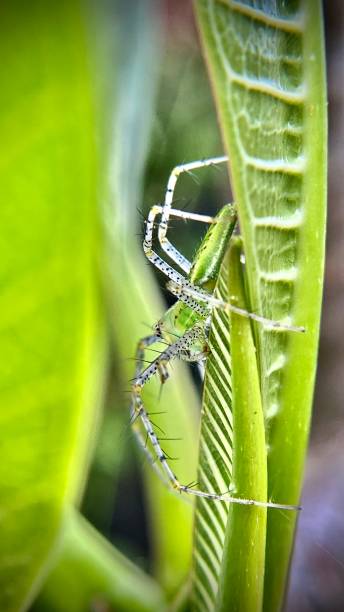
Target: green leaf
[[51, 331], [89, 573], [267, 66]]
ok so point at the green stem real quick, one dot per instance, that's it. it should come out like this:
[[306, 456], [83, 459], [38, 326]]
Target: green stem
[[241, 587]]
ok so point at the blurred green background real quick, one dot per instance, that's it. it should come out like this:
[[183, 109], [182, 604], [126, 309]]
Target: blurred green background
[[99, 102]]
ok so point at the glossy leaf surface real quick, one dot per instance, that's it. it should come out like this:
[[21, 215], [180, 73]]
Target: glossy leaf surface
[[51, 334]]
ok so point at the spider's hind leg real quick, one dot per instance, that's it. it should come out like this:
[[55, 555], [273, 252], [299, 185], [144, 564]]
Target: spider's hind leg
[[140, 416], [142, 345]]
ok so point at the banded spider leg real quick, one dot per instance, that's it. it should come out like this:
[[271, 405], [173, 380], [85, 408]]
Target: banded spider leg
[[179, 349], [184, 327]]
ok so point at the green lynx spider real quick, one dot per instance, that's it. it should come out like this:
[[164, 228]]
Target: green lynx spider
[[185, 326]]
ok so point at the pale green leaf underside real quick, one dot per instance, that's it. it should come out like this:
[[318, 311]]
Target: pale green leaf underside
[[267, 64], [263, 98]]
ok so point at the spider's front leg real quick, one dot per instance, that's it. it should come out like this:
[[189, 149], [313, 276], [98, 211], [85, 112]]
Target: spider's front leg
[[166, 211]]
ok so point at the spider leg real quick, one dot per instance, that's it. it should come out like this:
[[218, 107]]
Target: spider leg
[[152, 256], [138, 411], [169, 249], [184, 295], [168, 211], [176, 349], [142, 345], [183, 289], [178, 284], [191, 295]]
